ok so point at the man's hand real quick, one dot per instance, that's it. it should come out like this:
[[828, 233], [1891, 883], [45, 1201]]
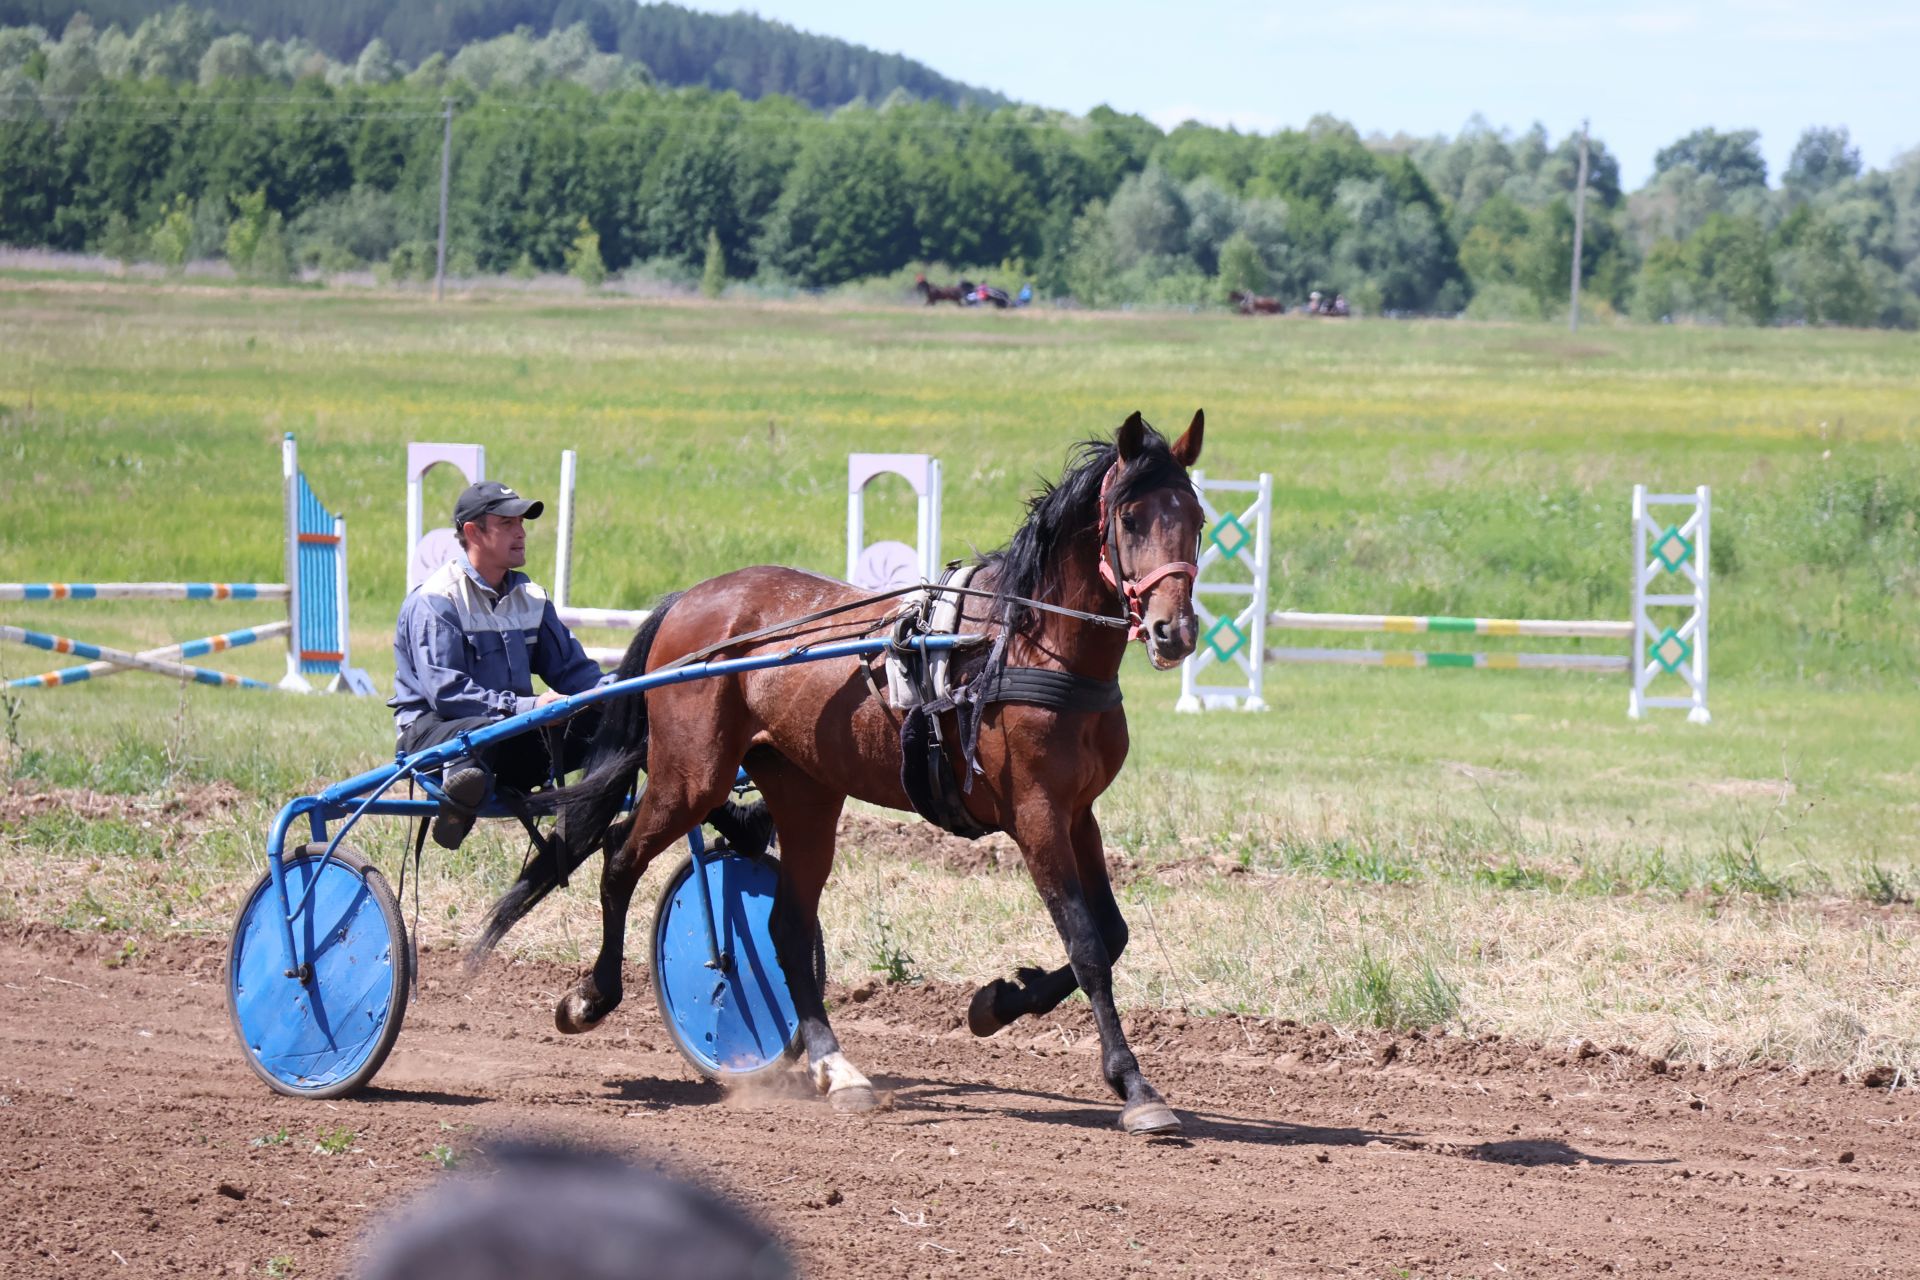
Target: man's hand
[[547, 699]]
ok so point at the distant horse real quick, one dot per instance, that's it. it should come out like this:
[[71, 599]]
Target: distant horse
[[1115, 537], [1255, 304], [943, 292]]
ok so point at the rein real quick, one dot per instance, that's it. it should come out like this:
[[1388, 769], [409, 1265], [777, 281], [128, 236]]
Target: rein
[[1133, 594], [819, 615]]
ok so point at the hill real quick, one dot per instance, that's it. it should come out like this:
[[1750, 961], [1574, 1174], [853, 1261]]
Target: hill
[[739, 51]]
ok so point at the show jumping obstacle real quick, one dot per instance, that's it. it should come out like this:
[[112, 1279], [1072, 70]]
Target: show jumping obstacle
[[316, 628], [1672, 645], [428, 549], [884, 565]]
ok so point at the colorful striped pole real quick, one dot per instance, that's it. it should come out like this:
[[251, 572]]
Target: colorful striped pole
[[1291, 620], [119, 658], [1483, 661], [143, 591], [186, 649]]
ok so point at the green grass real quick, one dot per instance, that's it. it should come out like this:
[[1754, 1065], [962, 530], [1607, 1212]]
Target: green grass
[[1418, 467]]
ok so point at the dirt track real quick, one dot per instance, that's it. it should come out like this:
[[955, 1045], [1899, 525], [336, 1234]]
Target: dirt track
[[127, 1124]]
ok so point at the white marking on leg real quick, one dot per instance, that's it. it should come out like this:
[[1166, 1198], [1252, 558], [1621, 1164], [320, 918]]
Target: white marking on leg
[[833, 1073]]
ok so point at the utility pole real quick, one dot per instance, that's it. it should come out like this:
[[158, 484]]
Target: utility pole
[[1579, 227], [446, 165]]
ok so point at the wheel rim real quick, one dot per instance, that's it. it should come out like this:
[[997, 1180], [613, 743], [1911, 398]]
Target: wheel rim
[[730, 1023], [313, 1035]]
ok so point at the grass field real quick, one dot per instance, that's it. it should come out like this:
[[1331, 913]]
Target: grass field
[[1500, 850]]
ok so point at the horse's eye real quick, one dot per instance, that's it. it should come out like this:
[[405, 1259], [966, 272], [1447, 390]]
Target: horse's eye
[[1129, 524]]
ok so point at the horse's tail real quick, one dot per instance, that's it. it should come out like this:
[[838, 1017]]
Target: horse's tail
[[588, 807]]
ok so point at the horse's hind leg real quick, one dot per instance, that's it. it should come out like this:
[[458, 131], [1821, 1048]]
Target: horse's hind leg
[[807, 816], [678, 795]]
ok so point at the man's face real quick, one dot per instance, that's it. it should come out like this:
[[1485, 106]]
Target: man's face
[[497, 543]]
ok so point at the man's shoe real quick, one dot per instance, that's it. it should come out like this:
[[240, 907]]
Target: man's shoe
[[464, 783]]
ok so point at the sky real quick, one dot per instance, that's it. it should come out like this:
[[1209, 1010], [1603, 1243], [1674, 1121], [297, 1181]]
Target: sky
[[1644, 73]]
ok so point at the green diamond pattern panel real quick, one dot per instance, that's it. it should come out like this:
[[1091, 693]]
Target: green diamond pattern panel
[[1212, 638], [1230, 536], [1670, 651], [1672, 550]]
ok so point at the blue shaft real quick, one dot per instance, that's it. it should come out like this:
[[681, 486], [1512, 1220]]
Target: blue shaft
[[697, 848], [338, 801]]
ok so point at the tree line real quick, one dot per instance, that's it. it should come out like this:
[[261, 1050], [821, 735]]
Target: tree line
[[568, 158]]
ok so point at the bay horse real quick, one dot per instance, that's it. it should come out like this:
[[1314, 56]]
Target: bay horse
[[1115, 539], [955, 293], [1255, 304]]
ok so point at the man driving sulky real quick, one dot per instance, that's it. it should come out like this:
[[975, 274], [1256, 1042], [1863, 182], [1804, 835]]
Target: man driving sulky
[[469, 641]]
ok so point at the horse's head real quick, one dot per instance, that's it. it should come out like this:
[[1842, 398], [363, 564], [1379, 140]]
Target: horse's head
[[1150, 525]]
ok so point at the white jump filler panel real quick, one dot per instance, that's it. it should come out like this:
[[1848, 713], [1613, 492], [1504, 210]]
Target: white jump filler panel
[[1232, 637], [428, 550], [1671, 548], [888, 564]]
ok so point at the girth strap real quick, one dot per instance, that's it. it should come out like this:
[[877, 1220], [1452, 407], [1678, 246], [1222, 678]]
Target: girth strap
[[1041, 687]]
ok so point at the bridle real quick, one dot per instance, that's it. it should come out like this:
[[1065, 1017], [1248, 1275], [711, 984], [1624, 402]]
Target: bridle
[[1133, 592]]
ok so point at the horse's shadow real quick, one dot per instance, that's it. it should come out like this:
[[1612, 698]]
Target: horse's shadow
[[956, 1099], [662, 1092], [432, 1097]]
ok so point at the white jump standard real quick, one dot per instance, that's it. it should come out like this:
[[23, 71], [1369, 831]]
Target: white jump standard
[[1678, 550], [1236, 637], [888, 564]]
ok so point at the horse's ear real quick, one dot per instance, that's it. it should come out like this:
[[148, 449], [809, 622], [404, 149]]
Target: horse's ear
[[1132, 434], [1186, 450]]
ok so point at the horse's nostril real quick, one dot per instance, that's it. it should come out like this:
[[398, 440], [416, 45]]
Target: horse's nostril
[[1161, 631]]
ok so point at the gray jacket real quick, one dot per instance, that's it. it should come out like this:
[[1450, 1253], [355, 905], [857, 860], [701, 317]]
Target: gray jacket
[[460, 649]]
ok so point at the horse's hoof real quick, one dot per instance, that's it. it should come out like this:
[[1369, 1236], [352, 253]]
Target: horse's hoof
[[573, 1015], [981, 1019], [1149, 1117], [854, 1098]]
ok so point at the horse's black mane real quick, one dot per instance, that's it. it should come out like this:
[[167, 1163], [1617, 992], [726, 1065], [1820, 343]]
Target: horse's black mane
[[1064, 508]]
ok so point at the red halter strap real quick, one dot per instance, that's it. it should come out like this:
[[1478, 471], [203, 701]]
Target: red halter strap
[[1132, 591]]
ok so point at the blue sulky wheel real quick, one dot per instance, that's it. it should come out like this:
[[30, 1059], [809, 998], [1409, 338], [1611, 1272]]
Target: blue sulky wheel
[[327, 1036], [736, 1023]]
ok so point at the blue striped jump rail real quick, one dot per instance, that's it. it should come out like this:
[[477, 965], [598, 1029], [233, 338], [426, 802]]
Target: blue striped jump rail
[[119, 658], [186, 649], [143, 591]]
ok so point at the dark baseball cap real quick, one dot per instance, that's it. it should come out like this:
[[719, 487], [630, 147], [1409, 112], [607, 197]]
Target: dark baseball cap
[[491, 498]]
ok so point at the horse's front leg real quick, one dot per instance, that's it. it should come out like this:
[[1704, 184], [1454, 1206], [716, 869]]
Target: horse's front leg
[[1048, 845], [1035, 991], [807, 818]]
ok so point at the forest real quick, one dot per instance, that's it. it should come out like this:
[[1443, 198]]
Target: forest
[[180, 137]]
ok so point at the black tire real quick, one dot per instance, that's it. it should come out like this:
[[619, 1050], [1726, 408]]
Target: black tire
[[383, 900]]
